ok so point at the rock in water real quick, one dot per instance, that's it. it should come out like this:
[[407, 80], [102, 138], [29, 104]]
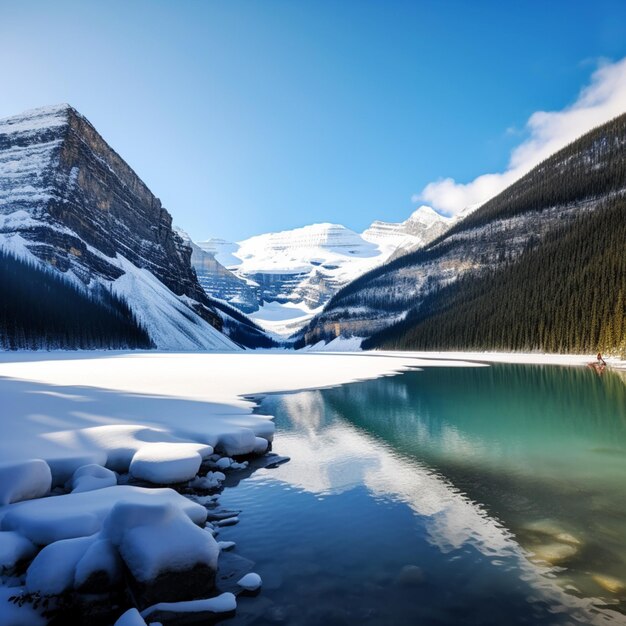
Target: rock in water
[[613, 585], [132, 617], [24, 480], [410, 575], [169, 558], [554, 553], [250, 582]]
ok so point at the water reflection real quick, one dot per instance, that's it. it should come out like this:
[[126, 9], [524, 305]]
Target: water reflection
[[484, 459]]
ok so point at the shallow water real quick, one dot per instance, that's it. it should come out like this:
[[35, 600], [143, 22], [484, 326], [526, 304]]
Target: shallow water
[[448, 496]]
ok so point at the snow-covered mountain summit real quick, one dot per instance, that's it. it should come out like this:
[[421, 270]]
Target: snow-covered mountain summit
[[70, 203], [423, 226], [294, 272]]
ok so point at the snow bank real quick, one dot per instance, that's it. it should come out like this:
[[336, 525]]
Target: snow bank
[[52, 571], [154, 538], [119, 442], [80, 514], [14, 548], [13, 615], [168, 463], [125, 401], [24, 480], [100, 558], [92, 477]]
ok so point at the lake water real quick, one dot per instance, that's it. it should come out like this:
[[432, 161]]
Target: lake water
[[447, 496]]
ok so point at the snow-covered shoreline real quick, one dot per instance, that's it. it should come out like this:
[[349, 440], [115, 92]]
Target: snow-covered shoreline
[[112, 423], [89, 443]]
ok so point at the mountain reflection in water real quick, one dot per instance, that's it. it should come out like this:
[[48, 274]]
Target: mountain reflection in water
[[496, 492]]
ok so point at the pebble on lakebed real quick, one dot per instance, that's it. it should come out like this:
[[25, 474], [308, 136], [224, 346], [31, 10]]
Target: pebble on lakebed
[[550, 542], [410, 575], [613, 585], [553, 553]]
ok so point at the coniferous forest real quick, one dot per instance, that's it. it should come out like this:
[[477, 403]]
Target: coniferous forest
[[39, 309], [565, 294]]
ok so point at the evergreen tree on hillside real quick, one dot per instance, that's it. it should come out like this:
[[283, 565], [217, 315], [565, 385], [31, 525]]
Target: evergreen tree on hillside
[[40, 309], [566, 294]]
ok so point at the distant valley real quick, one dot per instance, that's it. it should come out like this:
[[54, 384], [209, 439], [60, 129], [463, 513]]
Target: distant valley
[[281, 280]]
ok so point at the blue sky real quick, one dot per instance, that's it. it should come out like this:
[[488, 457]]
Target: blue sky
[[246, 117]]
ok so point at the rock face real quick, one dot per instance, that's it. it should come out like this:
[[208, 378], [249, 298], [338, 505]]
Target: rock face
[[69, 201], [77, 180], [219, 282]]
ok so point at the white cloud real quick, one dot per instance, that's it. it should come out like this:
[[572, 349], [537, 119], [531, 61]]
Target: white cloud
[[603, 99]]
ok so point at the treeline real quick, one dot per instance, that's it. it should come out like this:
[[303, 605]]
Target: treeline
[[567, 294], [39, 309]]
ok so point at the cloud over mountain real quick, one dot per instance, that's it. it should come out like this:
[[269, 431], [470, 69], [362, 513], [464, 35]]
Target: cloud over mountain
[[601, 100]]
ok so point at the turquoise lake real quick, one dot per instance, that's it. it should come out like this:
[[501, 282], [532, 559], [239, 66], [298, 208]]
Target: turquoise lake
[[447, 496]]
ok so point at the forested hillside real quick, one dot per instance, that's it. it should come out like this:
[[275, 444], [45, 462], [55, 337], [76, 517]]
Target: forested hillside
[[567, 294], [540, 266], [40, 309]]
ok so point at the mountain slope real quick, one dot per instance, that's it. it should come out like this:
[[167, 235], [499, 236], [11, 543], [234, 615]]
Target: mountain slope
[[566, 294], [293, 273], [585, 178], [68, 201]]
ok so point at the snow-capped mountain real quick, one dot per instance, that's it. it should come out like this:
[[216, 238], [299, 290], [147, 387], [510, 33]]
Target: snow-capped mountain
[[68, 201], [293, 273], [423, 226]]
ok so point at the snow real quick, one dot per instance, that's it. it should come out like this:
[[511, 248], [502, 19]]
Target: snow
[[35, 119], [212, 480], [530, 358], [13, 615], [339, 344], [52, 571], [14, 548], [24, 480], [92, 477], [106, 406], [100, 556], [72, 515], [224, 603], [172, 325], [168, 463], [153, 538], [250, 582], [119, 444], [132, 617]]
